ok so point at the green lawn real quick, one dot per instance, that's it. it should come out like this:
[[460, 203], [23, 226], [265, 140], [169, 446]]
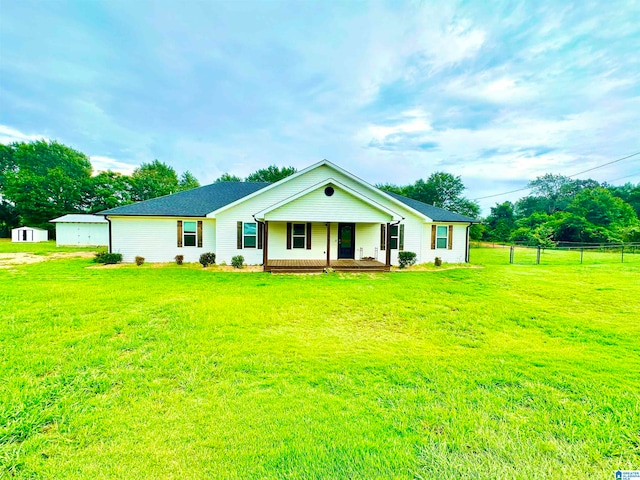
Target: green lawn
[[503, 371], [40, 248]]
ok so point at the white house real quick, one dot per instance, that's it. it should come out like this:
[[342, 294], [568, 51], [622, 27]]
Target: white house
[[319, 216], [81, 229], [29, 234]]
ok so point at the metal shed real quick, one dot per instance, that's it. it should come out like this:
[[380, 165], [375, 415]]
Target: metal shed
[[81, 229], [29, 234]]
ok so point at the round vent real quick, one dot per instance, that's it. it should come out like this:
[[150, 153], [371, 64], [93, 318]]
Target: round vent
[[328, 191]]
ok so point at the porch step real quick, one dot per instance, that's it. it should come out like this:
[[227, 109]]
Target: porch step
[[321, 269]]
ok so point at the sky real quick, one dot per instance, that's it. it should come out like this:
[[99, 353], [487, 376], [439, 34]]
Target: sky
[[495, 92]]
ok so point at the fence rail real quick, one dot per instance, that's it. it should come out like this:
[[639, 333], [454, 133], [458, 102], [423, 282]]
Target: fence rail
[[567, 253]]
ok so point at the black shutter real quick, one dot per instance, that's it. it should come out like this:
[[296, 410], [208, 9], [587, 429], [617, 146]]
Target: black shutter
[[433, 237], [308, 236], [401, 237], [383, 237], [200, 233], [288, 235], [179, 233], [450, 242], [239, 235], [260, 234]]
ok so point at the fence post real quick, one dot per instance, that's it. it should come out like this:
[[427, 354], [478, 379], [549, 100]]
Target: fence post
[[538, 256], [622, 255], [581, 253], [511, 248]]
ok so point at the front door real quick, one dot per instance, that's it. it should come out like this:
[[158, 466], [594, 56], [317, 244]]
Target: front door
[[346, 240]]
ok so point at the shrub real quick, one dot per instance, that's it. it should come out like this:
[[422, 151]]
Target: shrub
[[406, 259], [207, 259], [139, 260], [237, 261], [179, 259], [107, 258], [437, 261]]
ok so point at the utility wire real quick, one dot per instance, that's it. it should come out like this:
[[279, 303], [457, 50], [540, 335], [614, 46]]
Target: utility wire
[[570, 176], [622, 178], [605, 164]]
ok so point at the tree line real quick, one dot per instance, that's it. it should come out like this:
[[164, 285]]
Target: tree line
[[565, 210], [42, 180]]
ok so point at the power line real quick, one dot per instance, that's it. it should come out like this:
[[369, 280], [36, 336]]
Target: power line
[[605, 164], [622, 178], [503, 193], [569, 176]]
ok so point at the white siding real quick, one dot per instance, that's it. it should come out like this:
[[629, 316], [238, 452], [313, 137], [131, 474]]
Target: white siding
[[155, 239], [82, 233], [278, 243], [457, 254], [318, 207]]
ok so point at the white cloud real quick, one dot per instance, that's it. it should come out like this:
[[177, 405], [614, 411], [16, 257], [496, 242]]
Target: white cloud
[[11, 135], [101, 163]]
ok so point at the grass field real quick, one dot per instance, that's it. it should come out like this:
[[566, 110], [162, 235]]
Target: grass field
[[499, 371]]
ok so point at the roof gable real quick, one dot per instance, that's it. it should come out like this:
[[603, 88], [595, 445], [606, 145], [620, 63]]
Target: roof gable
[[315, 201]]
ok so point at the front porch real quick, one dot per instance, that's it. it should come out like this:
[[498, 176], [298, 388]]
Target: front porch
[[312, 266]]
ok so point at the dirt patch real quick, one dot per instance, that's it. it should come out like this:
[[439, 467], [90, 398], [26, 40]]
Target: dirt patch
[[8, 259]]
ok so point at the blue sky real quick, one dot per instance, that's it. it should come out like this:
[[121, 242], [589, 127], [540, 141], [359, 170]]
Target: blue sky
[[496, 92]]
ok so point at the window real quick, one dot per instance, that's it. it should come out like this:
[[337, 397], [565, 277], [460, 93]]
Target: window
[[250, 235], [442, 233], [299, 237], [190, 232], [396, 234]]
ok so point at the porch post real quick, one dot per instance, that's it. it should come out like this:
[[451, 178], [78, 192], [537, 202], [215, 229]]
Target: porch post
[[265, 246], [388, 251], [328, 244]]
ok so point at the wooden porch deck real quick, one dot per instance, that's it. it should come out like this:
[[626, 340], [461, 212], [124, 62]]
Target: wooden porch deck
[[310, 266]]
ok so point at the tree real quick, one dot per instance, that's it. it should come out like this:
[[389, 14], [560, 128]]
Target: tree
[[445, 191], [43, 180], [630, 193], [9, 218], [188, 181], [270, 174], [392, 188], [552, 193], [108, 190], [501, 222], [152, 180], [227, 177], [599, 207]]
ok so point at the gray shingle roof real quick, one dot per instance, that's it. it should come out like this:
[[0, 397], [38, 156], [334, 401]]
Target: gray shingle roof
[[203, 200], [435, 213], [190, 203]]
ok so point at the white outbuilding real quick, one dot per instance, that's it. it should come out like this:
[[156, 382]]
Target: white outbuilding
[[29, 234], [81, 229]]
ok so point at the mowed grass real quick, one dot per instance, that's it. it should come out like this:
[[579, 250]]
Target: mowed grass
[[501, 371], [589, 256], [40, 248]]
